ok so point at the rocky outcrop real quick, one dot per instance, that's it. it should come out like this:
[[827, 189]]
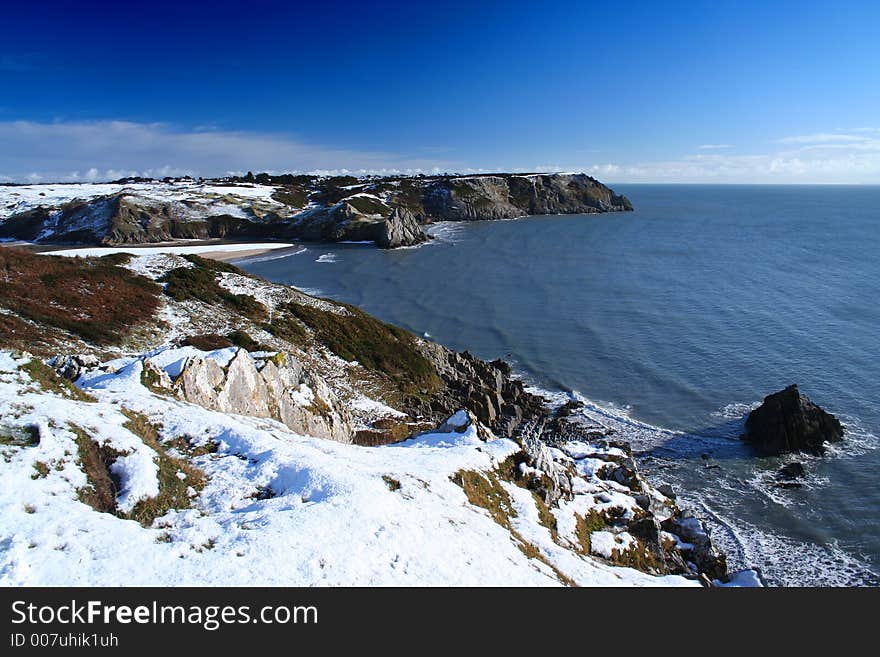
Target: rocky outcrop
[[788, 421], [508, 196], [400, 229], [487, 389], [387, 211], [276, 388]]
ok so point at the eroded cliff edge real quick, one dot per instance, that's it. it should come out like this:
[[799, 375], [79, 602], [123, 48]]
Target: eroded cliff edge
[[158, 337], [389, 211]]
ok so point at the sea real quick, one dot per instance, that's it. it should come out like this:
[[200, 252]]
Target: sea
[[671, 323]]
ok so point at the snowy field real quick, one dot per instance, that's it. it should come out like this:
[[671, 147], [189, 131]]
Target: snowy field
[[337, 514]]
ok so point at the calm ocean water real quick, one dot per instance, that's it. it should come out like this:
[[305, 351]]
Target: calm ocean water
[[672, 321]]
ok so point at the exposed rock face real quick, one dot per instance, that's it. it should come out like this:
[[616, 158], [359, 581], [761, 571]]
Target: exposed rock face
[[277, 388], [789, 422], [505, 197], [486, 389], [387, 211], [400, 229]]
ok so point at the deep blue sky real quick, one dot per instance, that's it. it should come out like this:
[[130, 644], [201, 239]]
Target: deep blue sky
[[715, 91]]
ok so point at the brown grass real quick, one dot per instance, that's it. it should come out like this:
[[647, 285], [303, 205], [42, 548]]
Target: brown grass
[[89, 297], [49, 381]]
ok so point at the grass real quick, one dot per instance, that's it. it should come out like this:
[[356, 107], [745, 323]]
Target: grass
[[377, 346], [19, 436], [593, 521], [484, 490], [200, 283], [103, 486], [368, 205], [91, 298], [95, 460], [41, 470], [172, 489], [49, 380], [392, 483], [286, 327]]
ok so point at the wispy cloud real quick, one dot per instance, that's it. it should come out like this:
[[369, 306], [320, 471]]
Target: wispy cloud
[[85, 150], [821, 138], [106, 150]]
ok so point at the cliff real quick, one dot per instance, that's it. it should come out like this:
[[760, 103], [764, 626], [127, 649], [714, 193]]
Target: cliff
[[218, 409], [387, 211]]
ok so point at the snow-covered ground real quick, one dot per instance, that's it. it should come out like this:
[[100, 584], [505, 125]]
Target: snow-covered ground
[[20, 198], [278, 508], [85, 252]]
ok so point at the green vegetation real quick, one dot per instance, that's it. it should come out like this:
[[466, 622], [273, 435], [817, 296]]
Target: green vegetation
[[200, 283], [91, 298], [485, 491], [368, 205], [103, 486], [27, 435], [292, 195], [593, 521], [172, 489], [356, 336], [95, 460], [287, 328], [49, 380]]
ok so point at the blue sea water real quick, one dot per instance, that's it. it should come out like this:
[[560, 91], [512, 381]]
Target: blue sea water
[[672, 321]]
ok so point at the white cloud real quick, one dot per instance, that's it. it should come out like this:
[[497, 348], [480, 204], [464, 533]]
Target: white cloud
[[101, 150], [107, 150], [822, 138]]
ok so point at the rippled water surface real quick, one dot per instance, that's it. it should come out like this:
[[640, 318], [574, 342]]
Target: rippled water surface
[[673, 320]]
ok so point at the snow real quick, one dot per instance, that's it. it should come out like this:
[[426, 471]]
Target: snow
[[606, 543], [138, 475], [172, 249], [20, 198], [278, 508], [743, 579]]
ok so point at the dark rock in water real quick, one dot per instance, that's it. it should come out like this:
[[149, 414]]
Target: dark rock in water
[[788, 422], [667, 491], [792, 471]]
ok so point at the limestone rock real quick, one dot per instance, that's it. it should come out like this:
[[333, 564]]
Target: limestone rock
[[276, 388]]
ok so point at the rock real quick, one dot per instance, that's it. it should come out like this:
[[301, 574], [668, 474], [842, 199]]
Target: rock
[[698, 547], [71, 367], [400, 229], [667, 491], [788, 422], [792, 471], [388, 211], [276, 388]]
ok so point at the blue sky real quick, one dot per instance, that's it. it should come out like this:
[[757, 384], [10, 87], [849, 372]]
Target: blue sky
[[630, 92]]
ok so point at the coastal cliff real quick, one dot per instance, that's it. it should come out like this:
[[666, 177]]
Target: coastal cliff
[[191, 397], [388, 211]]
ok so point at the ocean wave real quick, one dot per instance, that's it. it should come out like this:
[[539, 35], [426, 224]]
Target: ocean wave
[[266, 258], [327, 257]]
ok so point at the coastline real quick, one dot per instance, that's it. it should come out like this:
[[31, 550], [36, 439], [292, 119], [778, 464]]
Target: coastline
[[223, 251]]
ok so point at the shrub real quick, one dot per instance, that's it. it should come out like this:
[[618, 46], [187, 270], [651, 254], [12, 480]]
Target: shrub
[[377, 346], [200, 283], [89, 297]]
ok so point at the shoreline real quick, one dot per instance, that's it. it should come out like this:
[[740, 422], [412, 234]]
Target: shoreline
[[222, 251]]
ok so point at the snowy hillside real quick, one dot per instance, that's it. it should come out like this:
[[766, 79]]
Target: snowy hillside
[[388, 211], [181, 422], [275, 507]]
